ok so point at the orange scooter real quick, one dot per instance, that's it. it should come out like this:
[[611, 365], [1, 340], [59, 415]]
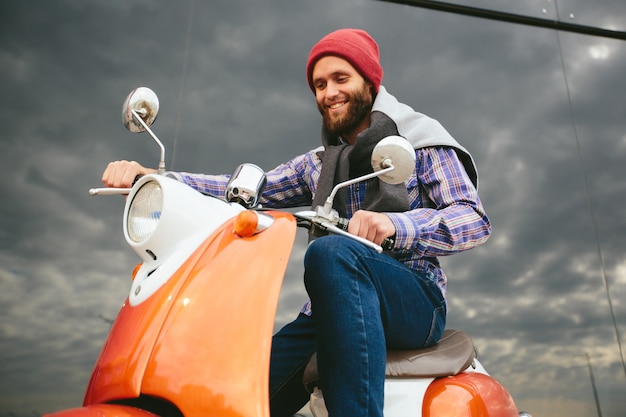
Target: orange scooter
[[193, 336]]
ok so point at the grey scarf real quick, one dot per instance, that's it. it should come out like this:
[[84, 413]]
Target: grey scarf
[[341, 162]]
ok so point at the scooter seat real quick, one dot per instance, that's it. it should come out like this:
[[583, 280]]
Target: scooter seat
[[451, 355]]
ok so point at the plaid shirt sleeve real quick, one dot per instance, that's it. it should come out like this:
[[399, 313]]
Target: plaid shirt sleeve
[[446, 214], [288, 185]]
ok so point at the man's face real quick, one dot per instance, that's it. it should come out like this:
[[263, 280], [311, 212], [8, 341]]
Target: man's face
[[343, 97]]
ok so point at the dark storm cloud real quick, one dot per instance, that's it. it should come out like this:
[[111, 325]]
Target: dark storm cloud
[[532, 297]]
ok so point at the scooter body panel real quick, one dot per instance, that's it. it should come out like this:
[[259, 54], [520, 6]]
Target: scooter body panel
[[403, 397], [469, 394], [212, 300], [103, 410]]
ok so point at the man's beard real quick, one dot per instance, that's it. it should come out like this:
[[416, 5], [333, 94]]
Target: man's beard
[[360, 105]]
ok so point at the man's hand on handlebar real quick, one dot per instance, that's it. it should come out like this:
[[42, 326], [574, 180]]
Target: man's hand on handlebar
[[371, 226], [122, 174]]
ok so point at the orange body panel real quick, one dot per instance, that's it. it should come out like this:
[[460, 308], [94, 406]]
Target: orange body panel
[[101, 410], [203, 340], [468, 395]]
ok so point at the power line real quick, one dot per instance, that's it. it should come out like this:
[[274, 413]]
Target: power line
[[183, 79], [512, 18], [587, 191], [593, 382]]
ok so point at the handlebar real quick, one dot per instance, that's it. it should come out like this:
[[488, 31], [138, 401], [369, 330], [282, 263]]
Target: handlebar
[[386, 244], [113, 191], [341, 228], [109, 191]]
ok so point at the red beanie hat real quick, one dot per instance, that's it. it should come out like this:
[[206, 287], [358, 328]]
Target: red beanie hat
[[355, 46]]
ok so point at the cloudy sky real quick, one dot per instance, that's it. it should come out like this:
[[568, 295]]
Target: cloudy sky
[[543, 114]]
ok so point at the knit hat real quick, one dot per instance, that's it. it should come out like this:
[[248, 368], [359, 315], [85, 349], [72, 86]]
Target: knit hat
[[355, 46]]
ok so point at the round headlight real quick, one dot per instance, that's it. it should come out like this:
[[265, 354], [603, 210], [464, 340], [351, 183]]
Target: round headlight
[[144, 212]]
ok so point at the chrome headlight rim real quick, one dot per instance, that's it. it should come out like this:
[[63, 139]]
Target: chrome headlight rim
[[144, 212]]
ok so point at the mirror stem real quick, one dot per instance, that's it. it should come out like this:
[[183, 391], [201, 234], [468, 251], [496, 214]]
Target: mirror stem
[[328, 205], [161, 168]]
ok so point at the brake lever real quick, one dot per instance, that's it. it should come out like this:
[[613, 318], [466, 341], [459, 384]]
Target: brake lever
[[326, 225]]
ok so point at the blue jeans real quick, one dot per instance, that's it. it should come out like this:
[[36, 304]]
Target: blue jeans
[[363, 303]]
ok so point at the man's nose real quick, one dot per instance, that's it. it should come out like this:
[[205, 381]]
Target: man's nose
[[332, 89]]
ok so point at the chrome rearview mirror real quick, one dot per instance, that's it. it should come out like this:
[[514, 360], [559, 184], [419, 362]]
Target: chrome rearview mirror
[[139, 111], [397, 153], [393, 161]]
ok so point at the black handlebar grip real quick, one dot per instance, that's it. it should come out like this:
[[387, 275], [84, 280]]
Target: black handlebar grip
[[388, 242], [342, 223]]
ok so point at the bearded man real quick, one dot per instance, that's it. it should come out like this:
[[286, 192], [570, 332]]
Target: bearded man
[[362, 302]]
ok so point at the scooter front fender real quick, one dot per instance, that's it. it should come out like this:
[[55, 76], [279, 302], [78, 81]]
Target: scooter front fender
[[202, 341], [103, 410]]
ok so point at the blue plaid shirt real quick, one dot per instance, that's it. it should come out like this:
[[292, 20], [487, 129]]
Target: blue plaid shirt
[[445, 216]]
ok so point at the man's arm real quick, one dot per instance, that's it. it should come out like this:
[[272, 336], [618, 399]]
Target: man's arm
[[455, 222], [287, 185]]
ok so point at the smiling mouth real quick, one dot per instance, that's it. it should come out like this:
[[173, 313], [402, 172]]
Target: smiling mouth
[[336, 106]]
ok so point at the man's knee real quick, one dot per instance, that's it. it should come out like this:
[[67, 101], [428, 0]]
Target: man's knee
[[327, 259], [328, 248], [322, 245]]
